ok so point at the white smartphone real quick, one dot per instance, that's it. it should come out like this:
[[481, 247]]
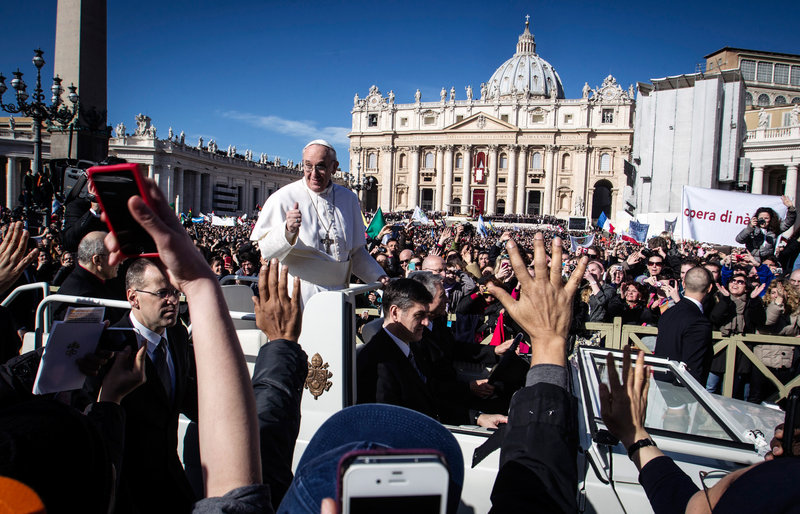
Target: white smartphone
[[394, 482]]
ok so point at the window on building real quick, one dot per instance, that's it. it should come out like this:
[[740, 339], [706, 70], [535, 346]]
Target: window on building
[[764, 72], [501, 207], [605, 162], [372, 161], [457, 179], [534, 203], [608, 116], [537, 118], [459, 161], [501, 180], [748, 99], [763, 100], [795, 77], [536, 161], [504, 117], [403, 161], [780, 100], [748, 69], [796, 100], [403, 122], [503, 161], [566, 162], [781, 74], [459, 117], [429, 120], [535, 181], [426, 200], [787, 119], [373, 120], [428, 160], [567, 119]]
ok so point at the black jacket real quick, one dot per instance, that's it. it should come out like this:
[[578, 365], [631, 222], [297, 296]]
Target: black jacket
[[82, 282], [684, 335]]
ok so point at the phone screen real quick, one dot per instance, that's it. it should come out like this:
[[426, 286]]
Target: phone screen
[[396, 504], [114, 188]]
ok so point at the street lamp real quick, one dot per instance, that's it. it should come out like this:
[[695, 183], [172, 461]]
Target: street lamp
[[357, 183], [36, 109]]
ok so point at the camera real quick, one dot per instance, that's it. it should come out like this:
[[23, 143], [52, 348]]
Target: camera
[[761, 223], [647, 252]]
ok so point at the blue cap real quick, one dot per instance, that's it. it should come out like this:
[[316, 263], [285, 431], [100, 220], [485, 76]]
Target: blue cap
[[366, 427]]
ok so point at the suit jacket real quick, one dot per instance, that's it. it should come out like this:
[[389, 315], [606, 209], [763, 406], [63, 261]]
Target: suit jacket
[[684, 334], [152, 477], [82, 282], [385, 375]]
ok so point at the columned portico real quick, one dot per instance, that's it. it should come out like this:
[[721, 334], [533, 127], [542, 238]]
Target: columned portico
[[549, 177], [512, 179], [522, 172], [466, 175], [791, 181], [437, 201], [757, 186], [413, 194], [448, 178], [386, 177], [179, 190], [491, 202]]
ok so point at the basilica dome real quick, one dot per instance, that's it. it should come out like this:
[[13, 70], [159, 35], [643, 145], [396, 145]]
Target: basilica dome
[[525, 73]]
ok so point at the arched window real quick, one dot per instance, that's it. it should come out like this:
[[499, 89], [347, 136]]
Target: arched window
[[372, 161], [501, 207], [503, 161], [780, 100], [429, 160], [459, 161], [796, 100], [605, 162], [536, 161], [566, 162], [748, 99], [403, 161], [763, 100]]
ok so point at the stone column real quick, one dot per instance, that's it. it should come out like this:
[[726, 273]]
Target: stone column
[[437, 200], [549, 176], [386, 178], [12, 179], [491, 200], [197, 201], [791, 181], [522, 180], [168, 182], [151, 171], [448, 177], [511, 189], [413, 189], [758, 180], [466, 177], [178, 193], [208, 194]]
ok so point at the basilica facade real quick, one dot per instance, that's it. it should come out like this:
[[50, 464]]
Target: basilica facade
[[513, 146]]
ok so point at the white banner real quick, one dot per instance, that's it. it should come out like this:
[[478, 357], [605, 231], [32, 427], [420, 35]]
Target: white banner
[[714, 216], [223, 222]]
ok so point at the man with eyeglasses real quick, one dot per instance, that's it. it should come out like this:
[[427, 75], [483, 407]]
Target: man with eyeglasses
[[152, 410], [315, 227]]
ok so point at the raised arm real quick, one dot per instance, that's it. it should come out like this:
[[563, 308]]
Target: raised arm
[[229, 445]]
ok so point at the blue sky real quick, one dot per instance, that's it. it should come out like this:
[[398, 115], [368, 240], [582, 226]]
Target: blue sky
[[269, 76]]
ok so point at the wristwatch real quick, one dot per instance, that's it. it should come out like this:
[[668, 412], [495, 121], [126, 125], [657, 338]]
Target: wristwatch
[[641, 443]]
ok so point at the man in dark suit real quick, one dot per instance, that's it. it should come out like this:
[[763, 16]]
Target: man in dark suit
[[388, 369], [152, 478], [684, 333], [91, 274]]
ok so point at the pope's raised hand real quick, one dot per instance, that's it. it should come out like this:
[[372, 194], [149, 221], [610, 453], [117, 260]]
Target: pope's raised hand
[[293, 219]]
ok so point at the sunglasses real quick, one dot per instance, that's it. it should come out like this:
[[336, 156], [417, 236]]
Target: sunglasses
[[655, 263], [738, 281]]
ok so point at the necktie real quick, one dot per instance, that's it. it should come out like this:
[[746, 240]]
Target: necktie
[[160, 356], [414, 365]]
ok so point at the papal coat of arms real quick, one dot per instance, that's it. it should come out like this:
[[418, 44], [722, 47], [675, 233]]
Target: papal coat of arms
[[317, 379]]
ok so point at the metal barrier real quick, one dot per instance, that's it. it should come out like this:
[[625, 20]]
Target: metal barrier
[[618, 336], [43, 324], [227, 279], [44, 286]]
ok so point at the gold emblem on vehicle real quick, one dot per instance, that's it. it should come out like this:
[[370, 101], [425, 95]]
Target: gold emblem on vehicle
[[317, 380]]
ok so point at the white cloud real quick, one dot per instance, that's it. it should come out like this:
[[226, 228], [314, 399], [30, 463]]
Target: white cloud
[[304, 130]]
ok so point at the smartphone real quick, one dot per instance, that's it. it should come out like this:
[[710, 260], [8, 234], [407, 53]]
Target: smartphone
[[412, 266], [393, 481], [115, 185], [227, 260]]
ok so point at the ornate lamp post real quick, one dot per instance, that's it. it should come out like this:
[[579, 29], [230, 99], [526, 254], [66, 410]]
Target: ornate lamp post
[[57, 112], [356, 183]]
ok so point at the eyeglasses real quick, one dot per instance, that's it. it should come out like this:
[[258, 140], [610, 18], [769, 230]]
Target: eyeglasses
[[655, 263], [162, 293], [738, 281], [319, 167]]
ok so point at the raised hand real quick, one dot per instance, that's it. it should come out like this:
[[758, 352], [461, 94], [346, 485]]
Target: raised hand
[[277, 315], [293, 219], [623, 405], [544, 308], [14, 257]]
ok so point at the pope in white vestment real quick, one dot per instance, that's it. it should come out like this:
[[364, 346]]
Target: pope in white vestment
[[330, 242]]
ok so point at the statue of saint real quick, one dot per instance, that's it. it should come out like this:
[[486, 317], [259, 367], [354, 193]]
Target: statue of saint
[[417, 96], [469, 92], [586, 90]]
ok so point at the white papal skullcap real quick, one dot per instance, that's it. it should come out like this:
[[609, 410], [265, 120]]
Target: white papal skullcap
[[324, 143]]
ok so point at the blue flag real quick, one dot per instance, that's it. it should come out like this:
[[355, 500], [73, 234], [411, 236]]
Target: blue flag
[[639, 230], [481, 226]]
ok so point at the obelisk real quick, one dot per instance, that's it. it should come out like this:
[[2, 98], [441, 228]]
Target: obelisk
[[80, 59]]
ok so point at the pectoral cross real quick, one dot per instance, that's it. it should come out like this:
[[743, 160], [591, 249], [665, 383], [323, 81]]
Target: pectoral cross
[[327, 241]]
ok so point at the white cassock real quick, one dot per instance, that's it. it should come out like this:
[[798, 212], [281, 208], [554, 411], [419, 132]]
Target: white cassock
[[330, 245]]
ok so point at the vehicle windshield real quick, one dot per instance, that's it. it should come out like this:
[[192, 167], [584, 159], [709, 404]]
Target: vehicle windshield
[[671, 406]]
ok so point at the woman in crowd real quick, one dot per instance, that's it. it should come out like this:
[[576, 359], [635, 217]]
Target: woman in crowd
[[67, 265], [761, 235], [782, 302], [630, 306]]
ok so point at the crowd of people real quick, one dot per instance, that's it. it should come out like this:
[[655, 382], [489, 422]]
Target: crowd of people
[[448, 294]]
